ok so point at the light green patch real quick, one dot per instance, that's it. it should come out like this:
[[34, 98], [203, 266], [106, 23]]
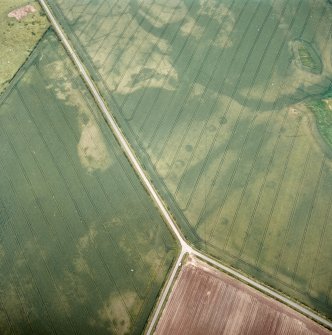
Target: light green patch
[[114, 313], [91, 147], [172, 11], [18, 38]]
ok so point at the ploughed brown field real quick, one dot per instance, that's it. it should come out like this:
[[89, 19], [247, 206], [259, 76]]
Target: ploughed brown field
[[206, 301]]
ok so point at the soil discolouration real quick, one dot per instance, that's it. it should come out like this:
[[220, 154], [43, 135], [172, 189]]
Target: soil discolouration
[[22, 12]]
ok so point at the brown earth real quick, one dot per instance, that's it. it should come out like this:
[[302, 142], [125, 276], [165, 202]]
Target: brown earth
[[205, 301]]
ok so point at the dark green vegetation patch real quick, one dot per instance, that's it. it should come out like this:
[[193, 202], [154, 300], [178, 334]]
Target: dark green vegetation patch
[[322, 110], [306, 57]]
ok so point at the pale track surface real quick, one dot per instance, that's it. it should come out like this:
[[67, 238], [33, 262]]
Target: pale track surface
[[185, 247]]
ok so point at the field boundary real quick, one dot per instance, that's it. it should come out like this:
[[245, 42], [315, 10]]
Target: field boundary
[[130, 154], [21, 70]]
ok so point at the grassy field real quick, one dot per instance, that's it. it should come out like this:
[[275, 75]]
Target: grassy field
[[18, 38], [210, 93], [83, 250]]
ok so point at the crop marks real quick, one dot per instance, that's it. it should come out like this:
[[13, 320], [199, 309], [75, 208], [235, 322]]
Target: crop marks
[[208, 93], [82, 248]]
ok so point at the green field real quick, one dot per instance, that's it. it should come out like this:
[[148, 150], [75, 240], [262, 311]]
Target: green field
[[209, 94], [83, 250], [18, 38]]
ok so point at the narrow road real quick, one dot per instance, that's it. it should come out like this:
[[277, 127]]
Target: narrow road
[[185, 247]]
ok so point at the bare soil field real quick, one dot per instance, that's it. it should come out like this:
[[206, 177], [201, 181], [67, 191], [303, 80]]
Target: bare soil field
[[206, 301]]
